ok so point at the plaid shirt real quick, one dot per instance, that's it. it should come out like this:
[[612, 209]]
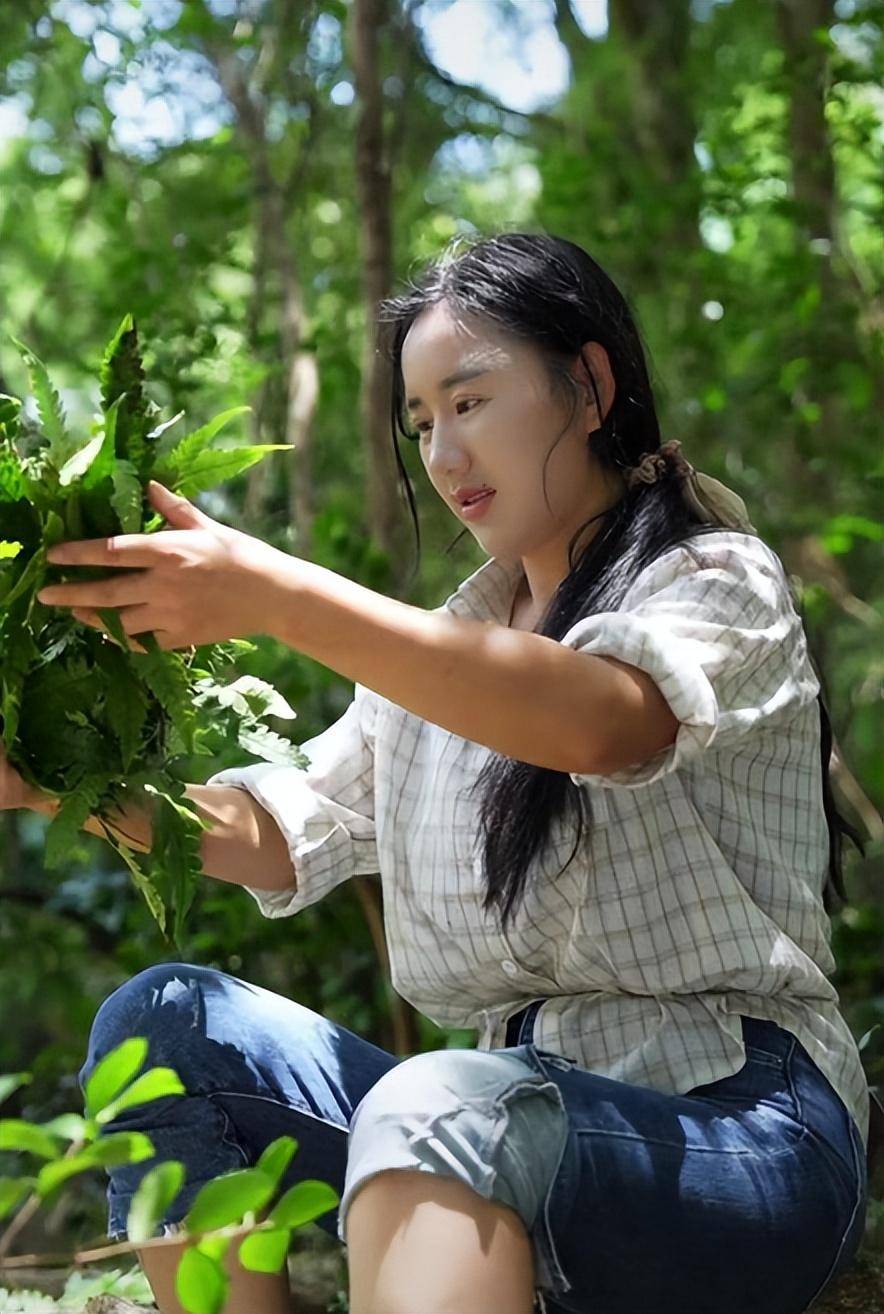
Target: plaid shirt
[[696, 894]]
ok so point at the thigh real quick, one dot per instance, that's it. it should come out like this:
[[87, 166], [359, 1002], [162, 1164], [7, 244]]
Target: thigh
[[255, 1066], [746, 1194]]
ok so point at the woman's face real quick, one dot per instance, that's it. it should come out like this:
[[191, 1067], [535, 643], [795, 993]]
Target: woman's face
[[495, 430]]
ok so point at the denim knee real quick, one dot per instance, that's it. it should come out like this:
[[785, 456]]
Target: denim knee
[[486, 1118], [131, 1010]]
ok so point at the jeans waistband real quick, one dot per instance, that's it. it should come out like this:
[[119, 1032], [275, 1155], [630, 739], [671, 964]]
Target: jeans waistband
[[756, 1031], [520, 1027]]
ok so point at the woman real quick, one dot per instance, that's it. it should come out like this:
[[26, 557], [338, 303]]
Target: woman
[[595, 785]]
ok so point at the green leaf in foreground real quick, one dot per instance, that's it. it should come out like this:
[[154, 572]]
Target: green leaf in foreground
[[16, 1134], [265, 1251], [106, 1152], [11, 1081], [276, 1157], [153, 1196], [114, 1072], [215, 1245], [303, 1202], [228, 1199], [152, 1085], [81, 1290], [68, 1125], [201, 1283]]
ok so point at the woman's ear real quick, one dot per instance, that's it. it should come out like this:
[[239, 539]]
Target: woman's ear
[[594, 360]]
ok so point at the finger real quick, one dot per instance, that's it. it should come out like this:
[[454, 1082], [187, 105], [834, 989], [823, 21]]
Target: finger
[[94, 621], [122, 550], [127, 590], [174, 507], [139, 620], [165, 640]]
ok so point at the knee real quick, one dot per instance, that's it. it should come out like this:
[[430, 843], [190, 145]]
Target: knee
[[154, 1003], [440, 1082], [485, 1118]]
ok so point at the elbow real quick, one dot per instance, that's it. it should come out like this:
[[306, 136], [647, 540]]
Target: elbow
[[590, 755], [603, 755], [623, 718]]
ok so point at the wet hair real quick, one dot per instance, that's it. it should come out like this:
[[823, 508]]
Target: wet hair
[[548, 292]]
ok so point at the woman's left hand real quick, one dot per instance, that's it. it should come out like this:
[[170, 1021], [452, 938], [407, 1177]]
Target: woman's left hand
[[200, 581]]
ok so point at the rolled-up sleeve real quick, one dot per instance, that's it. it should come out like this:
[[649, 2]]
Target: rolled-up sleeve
[[722, 642], [325, 811]]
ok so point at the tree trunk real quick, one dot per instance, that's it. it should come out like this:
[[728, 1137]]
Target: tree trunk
[[385, 513], [657, 38], [275, 257], [813, 171], [385, 516]]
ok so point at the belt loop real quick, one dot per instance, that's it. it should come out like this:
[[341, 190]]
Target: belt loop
[[526, 1029], [520, 1027]]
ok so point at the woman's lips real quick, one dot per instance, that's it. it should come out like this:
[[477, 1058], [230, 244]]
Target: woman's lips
[[476, 509]]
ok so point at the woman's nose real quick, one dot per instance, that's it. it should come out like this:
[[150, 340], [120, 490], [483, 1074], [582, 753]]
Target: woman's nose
[[446, 456]]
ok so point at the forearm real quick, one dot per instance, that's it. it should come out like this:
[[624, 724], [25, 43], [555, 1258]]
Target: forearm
[[244, 845], [521, 694]]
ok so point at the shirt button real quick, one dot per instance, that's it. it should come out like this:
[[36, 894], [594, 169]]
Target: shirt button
[[509, 967]]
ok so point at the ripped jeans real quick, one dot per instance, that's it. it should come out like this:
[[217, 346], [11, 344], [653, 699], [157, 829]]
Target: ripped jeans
[[746, 1194]]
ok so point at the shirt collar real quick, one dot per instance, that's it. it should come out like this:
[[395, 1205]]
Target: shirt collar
[[488, 593]]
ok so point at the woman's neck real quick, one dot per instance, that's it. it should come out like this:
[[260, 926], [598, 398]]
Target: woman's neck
[[523, 614]]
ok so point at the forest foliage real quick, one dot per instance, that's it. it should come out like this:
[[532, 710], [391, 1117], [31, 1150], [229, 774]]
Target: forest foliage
[[249, 178]]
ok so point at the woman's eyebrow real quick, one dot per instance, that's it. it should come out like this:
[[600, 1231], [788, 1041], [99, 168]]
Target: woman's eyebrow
[[460, 376]]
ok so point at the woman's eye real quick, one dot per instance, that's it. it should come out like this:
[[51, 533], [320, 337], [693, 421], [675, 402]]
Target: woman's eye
[[424, 427]]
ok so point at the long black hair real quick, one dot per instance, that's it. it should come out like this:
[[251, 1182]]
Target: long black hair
[[549, 292]]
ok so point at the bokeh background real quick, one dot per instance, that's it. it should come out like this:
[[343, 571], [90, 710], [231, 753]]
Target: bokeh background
[[250, 177]]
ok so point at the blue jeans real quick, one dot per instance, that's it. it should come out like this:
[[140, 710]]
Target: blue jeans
[[745, 1196]]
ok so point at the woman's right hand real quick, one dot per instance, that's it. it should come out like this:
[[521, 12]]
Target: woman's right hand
[[15, 792]]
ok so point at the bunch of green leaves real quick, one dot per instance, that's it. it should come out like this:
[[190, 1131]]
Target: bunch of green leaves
[[243, 1207], [70, 1144], [86, 719]]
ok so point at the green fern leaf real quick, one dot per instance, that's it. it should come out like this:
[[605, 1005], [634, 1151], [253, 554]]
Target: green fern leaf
[[64, 829], [122, 379], [52, 416], [12, 481], [209, 468], [127, 498], [191, 444], [167, 677]]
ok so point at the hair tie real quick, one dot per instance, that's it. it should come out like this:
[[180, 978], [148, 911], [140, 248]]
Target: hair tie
[[707, 498], [653, 465]]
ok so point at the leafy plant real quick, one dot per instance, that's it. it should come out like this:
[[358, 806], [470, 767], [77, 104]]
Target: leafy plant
[[236, 1208], [91, 721]]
